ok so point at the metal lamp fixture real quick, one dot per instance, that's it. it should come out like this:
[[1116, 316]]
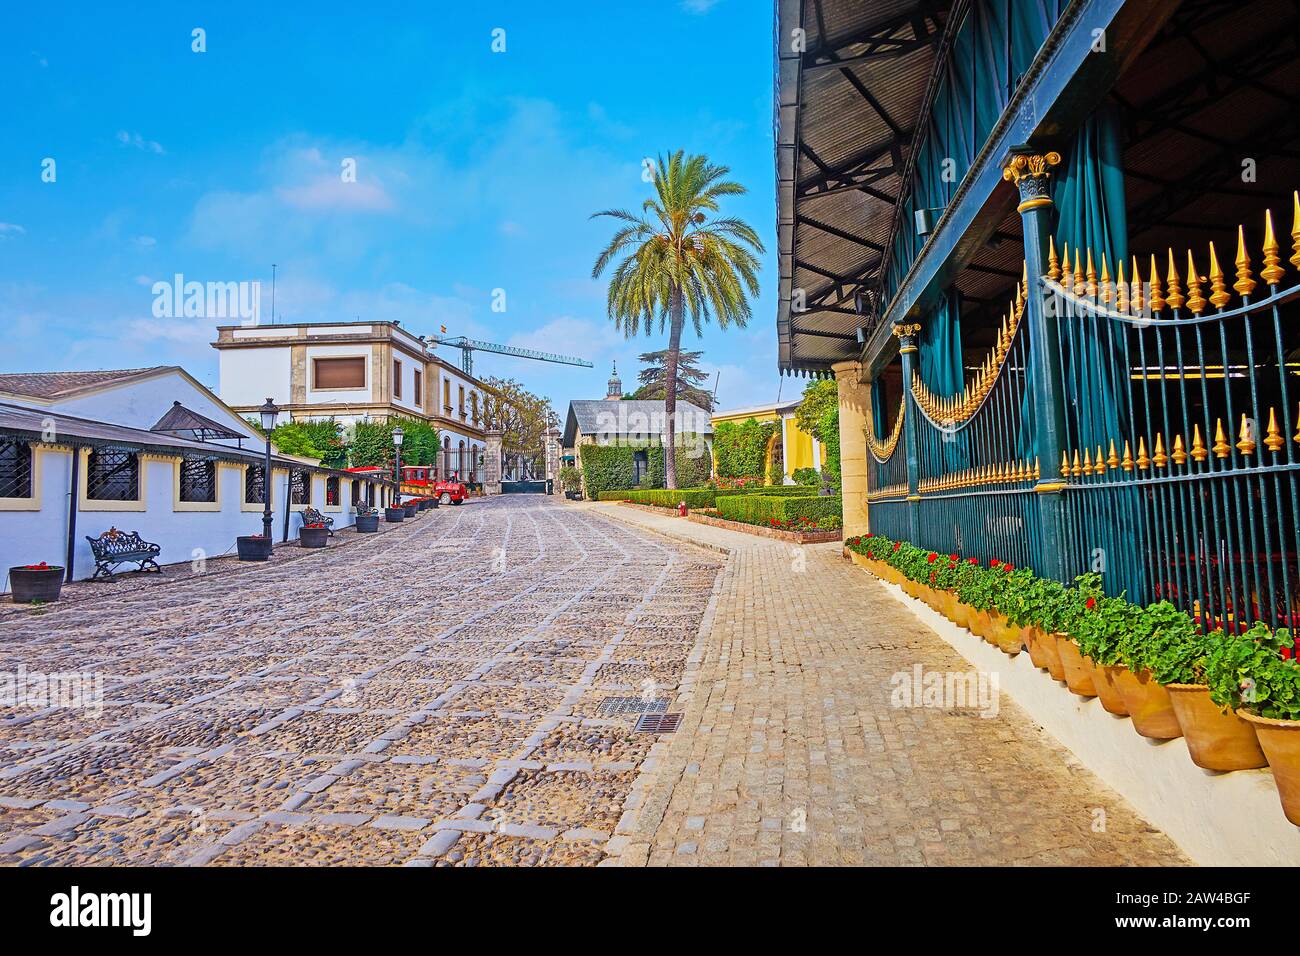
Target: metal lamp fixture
[[269, 413]]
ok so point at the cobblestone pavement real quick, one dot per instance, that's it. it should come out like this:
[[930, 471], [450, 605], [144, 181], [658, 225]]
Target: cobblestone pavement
[[429, 696], [790, 752]]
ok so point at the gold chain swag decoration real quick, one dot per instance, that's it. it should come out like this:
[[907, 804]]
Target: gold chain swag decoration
[[882, 451]]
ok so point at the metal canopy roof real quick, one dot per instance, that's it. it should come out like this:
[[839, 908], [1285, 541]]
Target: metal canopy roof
[[188, 423], [850, 92]]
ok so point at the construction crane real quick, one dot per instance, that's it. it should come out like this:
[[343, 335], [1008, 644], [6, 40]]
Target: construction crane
[[469, 346]]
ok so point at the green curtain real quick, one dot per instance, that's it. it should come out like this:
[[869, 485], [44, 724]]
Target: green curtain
[[1090, 209], [878, 407], [941, 368]]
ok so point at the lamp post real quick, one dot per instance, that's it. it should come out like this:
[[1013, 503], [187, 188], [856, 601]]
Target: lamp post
[[269, 413], [397, 443]]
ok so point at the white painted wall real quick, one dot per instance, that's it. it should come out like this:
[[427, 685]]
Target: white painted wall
[[250, 376], [29, 537]]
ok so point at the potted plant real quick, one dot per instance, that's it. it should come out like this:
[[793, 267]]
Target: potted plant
[[411, 508], [313, 536], [253, 547], [367, 519], [35, 583], [1257, 673], [1152, 632], [571, 479], [394, 514], [1097, 629], [1026, 600], [1217, 738]]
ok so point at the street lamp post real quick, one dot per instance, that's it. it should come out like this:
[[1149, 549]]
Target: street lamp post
[[398, 434], [269, 413]]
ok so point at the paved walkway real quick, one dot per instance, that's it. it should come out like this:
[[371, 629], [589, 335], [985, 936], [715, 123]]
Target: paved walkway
[[437, 694], [791, 753]]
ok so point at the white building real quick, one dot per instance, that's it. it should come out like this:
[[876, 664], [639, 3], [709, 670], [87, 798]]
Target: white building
[[147, 450], [352, 371]]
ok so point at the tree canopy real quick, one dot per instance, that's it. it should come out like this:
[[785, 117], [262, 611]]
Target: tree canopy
[[691, 379]]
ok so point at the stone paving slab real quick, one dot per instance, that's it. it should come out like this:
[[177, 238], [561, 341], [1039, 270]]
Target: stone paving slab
[[791, 752], [406, 699]]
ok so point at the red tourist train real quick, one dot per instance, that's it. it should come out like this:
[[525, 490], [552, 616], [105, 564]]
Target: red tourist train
[[421, 481]]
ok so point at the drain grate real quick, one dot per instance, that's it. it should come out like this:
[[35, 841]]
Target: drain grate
[[658, 723], [613, 706]]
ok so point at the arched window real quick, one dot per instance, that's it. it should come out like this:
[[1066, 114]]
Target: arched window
[[461, 467], [446, 457]]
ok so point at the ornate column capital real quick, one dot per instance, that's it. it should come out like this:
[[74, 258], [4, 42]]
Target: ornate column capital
[[906, 333], [1031, 172]]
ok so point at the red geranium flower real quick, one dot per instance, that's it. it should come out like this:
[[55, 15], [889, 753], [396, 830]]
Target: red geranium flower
[[1090, 603], [932, 557], [972, 560], [869, 535], [994, 562], [897, 545], [1286, 653], [953, 558], [1008, 567]]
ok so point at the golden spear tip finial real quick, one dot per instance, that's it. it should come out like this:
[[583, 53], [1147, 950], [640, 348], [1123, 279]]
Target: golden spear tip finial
[[1246, 440], [1195, 301], [1127, 462], [1157, 299], [1244, 284], [1053, 265], [1143, 462], [1113, 460], [1221, 448], [1272, 272], [1198, 446], [1160, 458], [1180, 454], [1295, 231], [1218, 289], [1121, 288], [1273, 440], [1175, 296]]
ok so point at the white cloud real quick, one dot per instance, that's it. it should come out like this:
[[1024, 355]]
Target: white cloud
[[136, 141], [699, 6], [330, 192], [8, 229]]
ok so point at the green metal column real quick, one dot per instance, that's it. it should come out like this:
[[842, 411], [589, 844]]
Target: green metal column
[[907, 355], [1030, 171]]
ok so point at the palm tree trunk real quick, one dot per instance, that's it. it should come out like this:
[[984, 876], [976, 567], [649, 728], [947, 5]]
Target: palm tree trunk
[[676, 318]]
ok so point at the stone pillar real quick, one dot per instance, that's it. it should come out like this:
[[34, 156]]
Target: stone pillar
[[553, 456], [492, 463], [854, 415]]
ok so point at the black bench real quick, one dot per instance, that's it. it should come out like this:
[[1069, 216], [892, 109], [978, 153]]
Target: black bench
[[312, 516], [115, 547]]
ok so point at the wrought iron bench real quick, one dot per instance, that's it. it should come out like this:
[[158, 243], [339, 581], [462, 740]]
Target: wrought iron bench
[[115, 547], [312, 516]]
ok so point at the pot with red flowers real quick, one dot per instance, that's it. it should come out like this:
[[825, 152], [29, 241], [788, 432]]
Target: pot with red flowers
[[36, 583], [314, 536]]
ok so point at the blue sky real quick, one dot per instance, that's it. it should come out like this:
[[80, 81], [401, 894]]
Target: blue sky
[[475, 171]]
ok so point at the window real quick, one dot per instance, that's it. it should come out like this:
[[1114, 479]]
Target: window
[[461, 457], [332, 491], [462, 401], [417, 393], [254, 485], [339, 372], [397, 379], [15, 469], [473, 406], [370, 494], [198, 479], [113, 476], [299, 487], [356, 493], [446, 393]]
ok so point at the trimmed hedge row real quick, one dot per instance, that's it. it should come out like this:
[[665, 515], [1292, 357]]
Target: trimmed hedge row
[[611, 467], [797, 512], [708, 497]]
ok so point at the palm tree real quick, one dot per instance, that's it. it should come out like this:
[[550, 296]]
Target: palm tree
[[676, 261]]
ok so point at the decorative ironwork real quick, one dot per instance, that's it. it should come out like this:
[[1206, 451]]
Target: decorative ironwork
[[255, 485], [15, 469], [332, 491], [299, 487], [883, 451], [113, 475], [114, 547], [198, 480]]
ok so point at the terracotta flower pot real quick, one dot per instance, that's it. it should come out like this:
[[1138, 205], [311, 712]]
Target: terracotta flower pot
[[1034, 642], [1280, 741], [1103, 678], [1148, 704], [1217, 740], [1077, 676], [1006, 635], [981, 625], [1047, 643], [960, 613]]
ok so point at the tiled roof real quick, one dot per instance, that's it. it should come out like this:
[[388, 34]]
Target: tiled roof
[[64, 384], [630, 417]]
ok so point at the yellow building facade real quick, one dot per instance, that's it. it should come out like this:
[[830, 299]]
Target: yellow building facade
[[790, 445]]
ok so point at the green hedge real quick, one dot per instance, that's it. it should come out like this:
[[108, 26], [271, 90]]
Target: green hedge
[[613, 495], [790, 511], [707, 497], [612, 468]]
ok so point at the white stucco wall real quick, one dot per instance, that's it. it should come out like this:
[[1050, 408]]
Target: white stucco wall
[[32, 536], [250, 376]]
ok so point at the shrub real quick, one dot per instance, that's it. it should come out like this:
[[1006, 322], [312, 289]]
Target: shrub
[[613, 496], [1256, 672], [795, 512], [570, 478], [808, 477], [741, 447], [665, 498], [606, 468]]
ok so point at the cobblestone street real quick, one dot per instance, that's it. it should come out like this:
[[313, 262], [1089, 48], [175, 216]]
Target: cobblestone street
[[462, 690], [429, 695]]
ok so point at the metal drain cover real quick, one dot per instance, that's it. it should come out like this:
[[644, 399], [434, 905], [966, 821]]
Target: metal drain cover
[[612, 706], [657, 723]]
